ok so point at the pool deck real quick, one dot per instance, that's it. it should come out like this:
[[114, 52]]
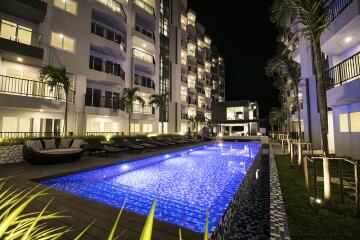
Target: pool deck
[[82, 211]]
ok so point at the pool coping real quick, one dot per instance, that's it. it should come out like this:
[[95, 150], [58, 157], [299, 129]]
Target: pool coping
[[279, 228]]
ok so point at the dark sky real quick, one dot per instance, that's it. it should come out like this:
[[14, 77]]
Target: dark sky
[[246, 38]]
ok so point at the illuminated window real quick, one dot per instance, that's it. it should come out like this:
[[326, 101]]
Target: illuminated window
[[67, 5], [235, 113], [64, 42], [344, 122], [147, 128], [135, 127], [355, 121], [14, 32]]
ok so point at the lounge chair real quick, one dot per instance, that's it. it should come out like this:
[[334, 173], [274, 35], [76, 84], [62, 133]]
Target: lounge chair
[[173, 140], [51, 151], [154, 141], [125, 143], [138, 141], [163, 140], [95, 145]]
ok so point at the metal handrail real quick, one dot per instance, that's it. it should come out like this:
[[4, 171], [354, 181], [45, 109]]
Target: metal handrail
[[336, 8], [30, 134], [26, 87], [144, 82], [143, 55], [145, 109], [345, 71], [93, 100], [117, 37], [116, 68]]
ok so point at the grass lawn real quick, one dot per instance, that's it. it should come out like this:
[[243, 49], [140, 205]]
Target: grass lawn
[[304, 222]]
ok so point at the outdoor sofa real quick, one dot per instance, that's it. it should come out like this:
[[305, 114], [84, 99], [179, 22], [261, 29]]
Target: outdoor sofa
[[51, 151]]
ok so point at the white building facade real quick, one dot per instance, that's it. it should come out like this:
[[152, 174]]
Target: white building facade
[[340, 45], [106, 46]]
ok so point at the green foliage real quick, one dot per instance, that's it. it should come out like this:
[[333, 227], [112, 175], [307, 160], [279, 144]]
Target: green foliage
[[12, 141], [147, 230], [304, 222], [97, 137]]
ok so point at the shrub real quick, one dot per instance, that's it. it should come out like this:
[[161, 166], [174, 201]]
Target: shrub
[[12, 141]]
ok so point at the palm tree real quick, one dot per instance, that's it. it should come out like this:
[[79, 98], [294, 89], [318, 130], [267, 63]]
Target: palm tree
[[312, 14], [57, 78], [275, 118], [194, 121], [128, 99], [289, 70], [160, 101]]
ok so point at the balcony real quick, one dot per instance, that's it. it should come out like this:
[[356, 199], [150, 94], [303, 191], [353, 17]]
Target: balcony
[[143, 61], [184, 116], [192, 101], [145, 6], [115, 6], [97, 101], [106, 71], [343, 82], [144, 82], [109, 40], [145, 32], [32, 88], [146, 109], [200, 90], [337, 8], [34, 10], [16, 40], [345, 71]]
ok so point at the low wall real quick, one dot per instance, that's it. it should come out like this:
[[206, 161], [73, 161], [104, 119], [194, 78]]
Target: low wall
[[11, 154], [263, 139]]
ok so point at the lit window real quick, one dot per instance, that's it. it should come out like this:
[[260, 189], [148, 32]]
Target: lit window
[[344, 122], [355, 121], [66, 5], [64, 42], [14, 32], [135, 127]]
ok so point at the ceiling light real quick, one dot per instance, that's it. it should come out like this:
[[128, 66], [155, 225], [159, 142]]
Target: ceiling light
[[19, 59], [144, 45], [61, 35], [41, 110], [348, 39]]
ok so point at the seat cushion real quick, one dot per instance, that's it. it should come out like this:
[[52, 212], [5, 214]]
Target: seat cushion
[[60, 151], [77, 143], [65, 143], [35, 145], [49, 143]]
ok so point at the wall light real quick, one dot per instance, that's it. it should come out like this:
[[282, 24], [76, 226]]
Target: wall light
[[348, 39], [318, 201], [41, 110], [19, 59]]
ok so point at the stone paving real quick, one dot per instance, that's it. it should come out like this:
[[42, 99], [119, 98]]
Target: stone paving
[[278, 222]]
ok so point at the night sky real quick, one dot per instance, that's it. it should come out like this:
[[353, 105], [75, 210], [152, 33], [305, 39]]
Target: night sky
[[247, 39]]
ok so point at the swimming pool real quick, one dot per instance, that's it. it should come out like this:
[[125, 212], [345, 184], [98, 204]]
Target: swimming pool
[[187, 183]]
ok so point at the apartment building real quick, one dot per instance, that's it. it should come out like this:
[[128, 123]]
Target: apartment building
[[106, 46], [341, 51]]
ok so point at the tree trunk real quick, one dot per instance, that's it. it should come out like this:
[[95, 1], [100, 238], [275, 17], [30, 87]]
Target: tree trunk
[[129, 118], [162, 120], [298, 110], [66, 113], [321, 93]]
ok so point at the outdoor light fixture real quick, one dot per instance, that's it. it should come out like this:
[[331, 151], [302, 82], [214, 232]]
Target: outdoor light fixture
[[144, 45], [318, 201], [61, 35], [125, 167], [348, 39], [19, 59], [41, 110]]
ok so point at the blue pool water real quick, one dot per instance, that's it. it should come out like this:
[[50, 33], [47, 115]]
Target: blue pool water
[[187, 183]]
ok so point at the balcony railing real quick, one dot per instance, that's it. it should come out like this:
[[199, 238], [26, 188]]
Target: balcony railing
[[93, 100], [145, 31], [343, 72], [108, 34], [104, 133], [146, 109], [115, 6], [200, 90], [336, 9], [144, 56], [144, 82], [19, 34], [109, 67], [184, 79], [147, 7], [25, 87], [192, 101]]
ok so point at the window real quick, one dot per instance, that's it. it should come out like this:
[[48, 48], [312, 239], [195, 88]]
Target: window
[[9, 124], [134, 127], [235, 113], [355, 121], [14, 32], [344, 122], [64, 42], [67, 5], [147, 128]]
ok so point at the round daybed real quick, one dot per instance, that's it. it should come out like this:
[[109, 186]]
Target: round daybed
[[51, 152]]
